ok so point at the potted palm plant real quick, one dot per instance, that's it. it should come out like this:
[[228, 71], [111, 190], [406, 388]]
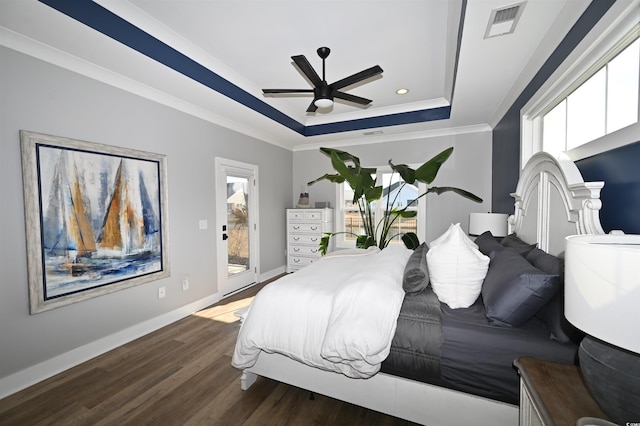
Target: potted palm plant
[[366, 191]]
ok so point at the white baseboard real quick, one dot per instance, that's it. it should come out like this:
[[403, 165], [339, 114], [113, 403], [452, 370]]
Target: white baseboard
[[272, 273], [32, 375], [39, 372]]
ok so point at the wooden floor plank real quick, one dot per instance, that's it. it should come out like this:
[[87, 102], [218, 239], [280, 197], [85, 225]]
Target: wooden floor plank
[[178, 375]]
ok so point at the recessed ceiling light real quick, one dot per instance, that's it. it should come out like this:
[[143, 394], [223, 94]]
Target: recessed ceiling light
[[402, 91]]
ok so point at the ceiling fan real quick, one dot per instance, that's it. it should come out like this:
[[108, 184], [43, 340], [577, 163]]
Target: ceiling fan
[[324, 93]]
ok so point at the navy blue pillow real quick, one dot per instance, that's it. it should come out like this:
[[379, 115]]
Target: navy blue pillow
[[514, 290], [487, 243], [552, 314], [416, 274], [513, 241], [546, 262]]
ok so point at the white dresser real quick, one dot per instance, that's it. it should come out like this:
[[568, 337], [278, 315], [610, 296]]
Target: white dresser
[[305, 228]]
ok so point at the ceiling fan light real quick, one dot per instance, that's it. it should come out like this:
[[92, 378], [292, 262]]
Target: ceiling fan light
[[323, 103]]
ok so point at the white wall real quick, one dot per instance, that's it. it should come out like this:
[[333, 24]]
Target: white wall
[[43, 98], [469, 168]]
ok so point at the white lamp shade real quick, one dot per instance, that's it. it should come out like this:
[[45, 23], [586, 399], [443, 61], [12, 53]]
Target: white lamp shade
[[482, 222], [602, 287]]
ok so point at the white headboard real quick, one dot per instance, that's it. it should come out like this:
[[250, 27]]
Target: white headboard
[[552, 201]]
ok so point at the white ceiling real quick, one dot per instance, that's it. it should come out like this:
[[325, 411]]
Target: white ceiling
[[250, 43]]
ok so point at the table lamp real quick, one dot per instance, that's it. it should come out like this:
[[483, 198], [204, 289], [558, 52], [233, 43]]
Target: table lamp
[[602, 298], [494, 222]]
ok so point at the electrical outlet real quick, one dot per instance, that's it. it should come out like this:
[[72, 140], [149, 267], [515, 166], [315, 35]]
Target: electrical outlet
[[185, 283], [161, 292]]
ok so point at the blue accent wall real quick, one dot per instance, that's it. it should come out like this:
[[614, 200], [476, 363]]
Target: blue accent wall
[[620, 171], [506, 134]]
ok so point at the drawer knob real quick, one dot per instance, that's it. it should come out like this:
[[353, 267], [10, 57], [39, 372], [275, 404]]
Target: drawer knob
[[296, 227], [314, 228], [296, 249], [296, 238]]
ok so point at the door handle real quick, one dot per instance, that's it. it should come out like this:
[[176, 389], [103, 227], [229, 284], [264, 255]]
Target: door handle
[[225, 237]]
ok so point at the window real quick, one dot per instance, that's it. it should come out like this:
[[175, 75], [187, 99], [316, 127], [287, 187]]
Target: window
[[348, 216], [593, 105], [604, 103]]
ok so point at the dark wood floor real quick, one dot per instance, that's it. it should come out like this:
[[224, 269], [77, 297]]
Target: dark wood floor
[[178, 375]]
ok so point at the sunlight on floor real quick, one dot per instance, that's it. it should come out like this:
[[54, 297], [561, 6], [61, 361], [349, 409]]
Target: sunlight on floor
[[225, 313]]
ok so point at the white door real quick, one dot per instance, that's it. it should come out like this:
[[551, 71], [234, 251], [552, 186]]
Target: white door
[[236, 222]]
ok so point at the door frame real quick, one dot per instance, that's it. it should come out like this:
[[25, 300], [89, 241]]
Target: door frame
[[224, 166]]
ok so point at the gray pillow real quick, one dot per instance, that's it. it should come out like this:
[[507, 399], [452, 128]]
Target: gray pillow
[[487, 243], [514, 290], [546, 262], [552, 313], [416, 274], [513, 241]]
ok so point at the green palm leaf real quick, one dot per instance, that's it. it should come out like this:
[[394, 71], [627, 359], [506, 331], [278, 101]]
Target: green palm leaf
[[428, 171], [365, 191]]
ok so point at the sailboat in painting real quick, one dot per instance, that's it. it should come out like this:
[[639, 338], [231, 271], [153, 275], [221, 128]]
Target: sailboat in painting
[[102, 234], [130, 223], [67, 233]]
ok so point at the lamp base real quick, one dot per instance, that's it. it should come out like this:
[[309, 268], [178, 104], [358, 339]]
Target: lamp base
[[612, 375]]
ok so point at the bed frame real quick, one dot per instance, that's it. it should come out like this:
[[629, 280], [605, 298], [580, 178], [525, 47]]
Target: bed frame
[[551, 202]]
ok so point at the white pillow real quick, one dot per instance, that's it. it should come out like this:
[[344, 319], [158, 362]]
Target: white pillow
[[456, 268], [452, 228]]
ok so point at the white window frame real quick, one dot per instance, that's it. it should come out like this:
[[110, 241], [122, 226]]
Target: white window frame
[[616, 30], [340, 241]]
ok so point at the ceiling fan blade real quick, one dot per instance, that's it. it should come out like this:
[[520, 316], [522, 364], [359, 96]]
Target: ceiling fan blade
[[266, 91], [312, 107], [359, 76], [307, 69], [351, 98]]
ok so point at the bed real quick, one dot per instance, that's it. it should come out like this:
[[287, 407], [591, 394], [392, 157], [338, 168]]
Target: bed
[[362, 336]]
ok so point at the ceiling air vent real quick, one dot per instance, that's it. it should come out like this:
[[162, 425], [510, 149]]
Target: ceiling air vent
[[503, 21]]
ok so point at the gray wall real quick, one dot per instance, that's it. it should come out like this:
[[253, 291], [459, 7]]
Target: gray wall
[[43, 98], [469, 167]]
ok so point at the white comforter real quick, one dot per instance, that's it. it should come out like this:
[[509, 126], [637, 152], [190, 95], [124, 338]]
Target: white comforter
[[337, 314]]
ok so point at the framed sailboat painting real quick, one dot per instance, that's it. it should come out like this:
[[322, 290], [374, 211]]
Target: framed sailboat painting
[[96, 219]]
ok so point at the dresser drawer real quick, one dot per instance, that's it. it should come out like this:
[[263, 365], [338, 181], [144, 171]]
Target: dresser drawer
[[304, 239], [305, 227], [312, 215], [295, 215], [304, 250], [301, 261]]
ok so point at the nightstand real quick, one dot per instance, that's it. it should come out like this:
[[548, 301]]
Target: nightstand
[[553, 394]]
